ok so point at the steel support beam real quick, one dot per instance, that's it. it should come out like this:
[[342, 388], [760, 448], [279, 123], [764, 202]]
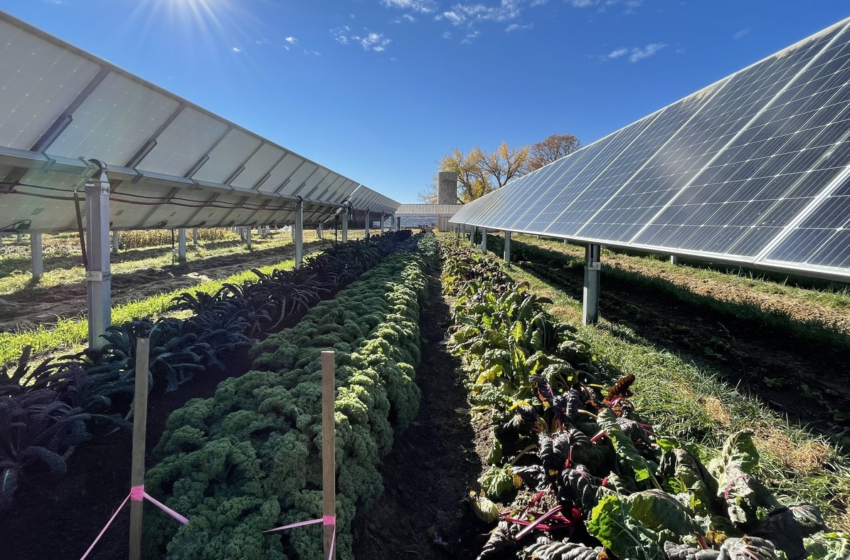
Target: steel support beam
[[398, 224], [674, 259], [248, 241], [483, 240], [298, 234], [592, 268], [508, 248], [366, 231], [116, 241], [383, 219], [37, 256], [98, 276], [345, 225], [194, 236], [181, 245]]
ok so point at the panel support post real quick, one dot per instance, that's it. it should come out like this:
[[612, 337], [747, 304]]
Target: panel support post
[[508, 248], [248, 237], [592, 268], [181, 245], [116, 241], [383, 219], [194, 236], [328, 453], [98, 276], [345, 225], [298, 234], [366, 230], [37, 256], [398, 224], [137, 468], [483, 240], [674, 259]]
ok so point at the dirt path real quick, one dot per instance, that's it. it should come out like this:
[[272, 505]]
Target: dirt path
[[432, 466], [800, 309], [43, 306]]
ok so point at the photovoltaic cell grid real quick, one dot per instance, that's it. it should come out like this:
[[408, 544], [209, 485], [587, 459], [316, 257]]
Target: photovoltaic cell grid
[[169, 162], [752, 169]]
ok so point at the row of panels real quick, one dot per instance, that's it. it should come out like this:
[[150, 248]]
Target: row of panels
[[61, 102], [750, 169]]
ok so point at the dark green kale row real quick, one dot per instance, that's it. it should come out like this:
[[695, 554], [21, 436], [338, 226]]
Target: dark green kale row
[[46, 411], [579, 476], [249, 459]]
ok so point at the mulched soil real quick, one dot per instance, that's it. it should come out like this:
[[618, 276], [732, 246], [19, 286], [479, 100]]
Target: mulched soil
[[423, 513], [42, 306]]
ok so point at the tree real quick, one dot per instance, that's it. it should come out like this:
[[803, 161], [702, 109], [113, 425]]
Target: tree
[[553, 148], [479, 172]]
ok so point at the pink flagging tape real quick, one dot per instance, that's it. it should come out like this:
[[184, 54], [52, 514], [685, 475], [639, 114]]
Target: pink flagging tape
[[137, 494], [167, 509], [325, 520], [108, 523], [301, 524]]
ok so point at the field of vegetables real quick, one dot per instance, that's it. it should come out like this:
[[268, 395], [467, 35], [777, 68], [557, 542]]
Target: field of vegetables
[[475, 418]]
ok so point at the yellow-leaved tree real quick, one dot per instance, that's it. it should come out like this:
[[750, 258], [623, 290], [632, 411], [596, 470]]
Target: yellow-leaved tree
[[479, 172]]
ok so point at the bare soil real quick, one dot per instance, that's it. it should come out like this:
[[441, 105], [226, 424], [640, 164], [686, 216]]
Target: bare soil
[[35, 306], [423, 513]]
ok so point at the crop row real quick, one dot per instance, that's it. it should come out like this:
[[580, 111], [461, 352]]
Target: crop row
[[580, 475], [48, 410], [249, 458]]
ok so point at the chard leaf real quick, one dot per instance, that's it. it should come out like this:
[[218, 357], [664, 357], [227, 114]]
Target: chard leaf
[[612, 523], [496, 481], [625, 448], [658, 511]]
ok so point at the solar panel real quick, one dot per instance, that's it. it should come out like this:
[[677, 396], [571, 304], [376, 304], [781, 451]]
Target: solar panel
[[170, 163], [751, 169]]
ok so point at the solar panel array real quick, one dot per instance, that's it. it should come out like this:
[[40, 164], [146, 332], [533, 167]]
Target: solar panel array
[[752, 169], [170, 163]]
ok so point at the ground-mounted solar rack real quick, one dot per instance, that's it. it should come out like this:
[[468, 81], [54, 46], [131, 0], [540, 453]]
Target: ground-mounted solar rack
[[76, 130], [752, 170]]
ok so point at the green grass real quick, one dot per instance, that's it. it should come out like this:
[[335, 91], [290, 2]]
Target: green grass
[[814, 329], [685, 401], [70, 333], [834, 295], [63, 260]]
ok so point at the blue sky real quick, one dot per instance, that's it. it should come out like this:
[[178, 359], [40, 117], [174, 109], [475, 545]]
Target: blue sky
[[379, 89]]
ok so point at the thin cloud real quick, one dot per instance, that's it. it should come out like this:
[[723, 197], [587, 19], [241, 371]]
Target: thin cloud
[[517, 27], [447, 35], [630, 5], [406, 17], [742, 32], [618, 52], [641, 53], [312, 53], [470, 14], [422, 6], [236, 50], [55, 2], [291, 40], [469, 37], [370, 41]]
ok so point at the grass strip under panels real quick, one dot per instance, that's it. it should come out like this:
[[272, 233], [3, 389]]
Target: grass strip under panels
[[688, 402], [68, 333]]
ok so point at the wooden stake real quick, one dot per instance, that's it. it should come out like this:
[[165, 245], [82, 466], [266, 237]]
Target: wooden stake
[[137, 470], [328, 447]]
